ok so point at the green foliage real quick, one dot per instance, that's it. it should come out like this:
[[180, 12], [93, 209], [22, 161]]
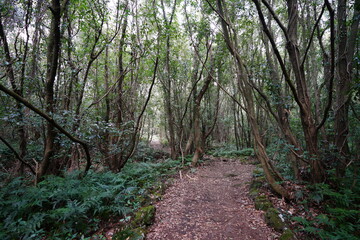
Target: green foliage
[[146, 153], [69, 207], [340, 217], [279, 151]]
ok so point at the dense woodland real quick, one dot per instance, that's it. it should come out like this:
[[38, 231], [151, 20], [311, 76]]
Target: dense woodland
[[87, 85]]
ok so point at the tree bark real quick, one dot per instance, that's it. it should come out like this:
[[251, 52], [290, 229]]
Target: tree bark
[[167, 86], [244, 85], [52, 66], [300, 92], [197, 115], [346, 46]]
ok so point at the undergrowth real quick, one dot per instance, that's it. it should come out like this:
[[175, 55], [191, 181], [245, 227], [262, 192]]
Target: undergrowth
[[232, 153], [339, 206], [72, 208]]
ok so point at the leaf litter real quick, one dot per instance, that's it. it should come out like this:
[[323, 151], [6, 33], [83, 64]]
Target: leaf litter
[[211, 203]]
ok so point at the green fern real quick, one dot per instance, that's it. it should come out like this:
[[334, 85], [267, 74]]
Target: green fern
[[62, 207]]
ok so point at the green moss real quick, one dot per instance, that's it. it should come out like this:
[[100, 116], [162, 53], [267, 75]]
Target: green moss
[[243, 160], [256, 184], [287, 235], [156, 196], [144, 216], [253, 193], [130, 234], [261, 179], [262, 203], [273, 220]]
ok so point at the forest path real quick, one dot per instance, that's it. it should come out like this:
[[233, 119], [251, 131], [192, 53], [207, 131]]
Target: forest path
[[211, 203]]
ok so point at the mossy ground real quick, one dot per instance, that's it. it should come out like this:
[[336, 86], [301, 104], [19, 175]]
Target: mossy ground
[[287, 235], [230, 175], [262, 203], [130, 234], [144, 216], [273, 219]]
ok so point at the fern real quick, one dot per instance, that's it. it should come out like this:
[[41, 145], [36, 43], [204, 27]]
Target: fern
[[62, 207], [341, 211]]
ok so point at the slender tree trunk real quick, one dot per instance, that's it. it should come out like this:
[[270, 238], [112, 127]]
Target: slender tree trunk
[[197, 117], [105, 147], [244, 86], [282, 117], [52, 66], [116, 161], [167, 84], [346, 49], [307, 120], [18, 88]]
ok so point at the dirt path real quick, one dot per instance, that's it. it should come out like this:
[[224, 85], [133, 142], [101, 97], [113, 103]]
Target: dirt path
[[210, 204]]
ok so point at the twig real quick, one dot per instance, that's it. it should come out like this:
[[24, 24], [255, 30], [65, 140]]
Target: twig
[[17, 155]]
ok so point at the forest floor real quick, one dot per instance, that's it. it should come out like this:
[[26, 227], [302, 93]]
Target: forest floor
[[210, 202]]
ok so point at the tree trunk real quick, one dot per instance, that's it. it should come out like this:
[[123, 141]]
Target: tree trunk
[[283, 114], [167, 85], [307, 120], [198, 136], [244, 86], [346, 45], [52, 66], [17, 88]]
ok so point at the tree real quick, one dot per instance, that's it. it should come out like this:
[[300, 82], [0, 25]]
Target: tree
[[246, 91], [346, 44]]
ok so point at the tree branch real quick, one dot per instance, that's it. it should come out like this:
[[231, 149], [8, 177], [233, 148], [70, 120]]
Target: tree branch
[[332, 67], [51, 121], [17, 155], [276, 18], [277, 54], [312, 36]]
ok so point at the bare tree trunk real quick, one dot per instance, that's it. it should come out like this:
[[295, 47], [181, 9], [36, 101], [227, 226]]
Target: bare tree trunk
[[105, 147], [307, 120], [197, 116], [116, 161], [346, 49], [300, 92], [52, 66], [167, 85]]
